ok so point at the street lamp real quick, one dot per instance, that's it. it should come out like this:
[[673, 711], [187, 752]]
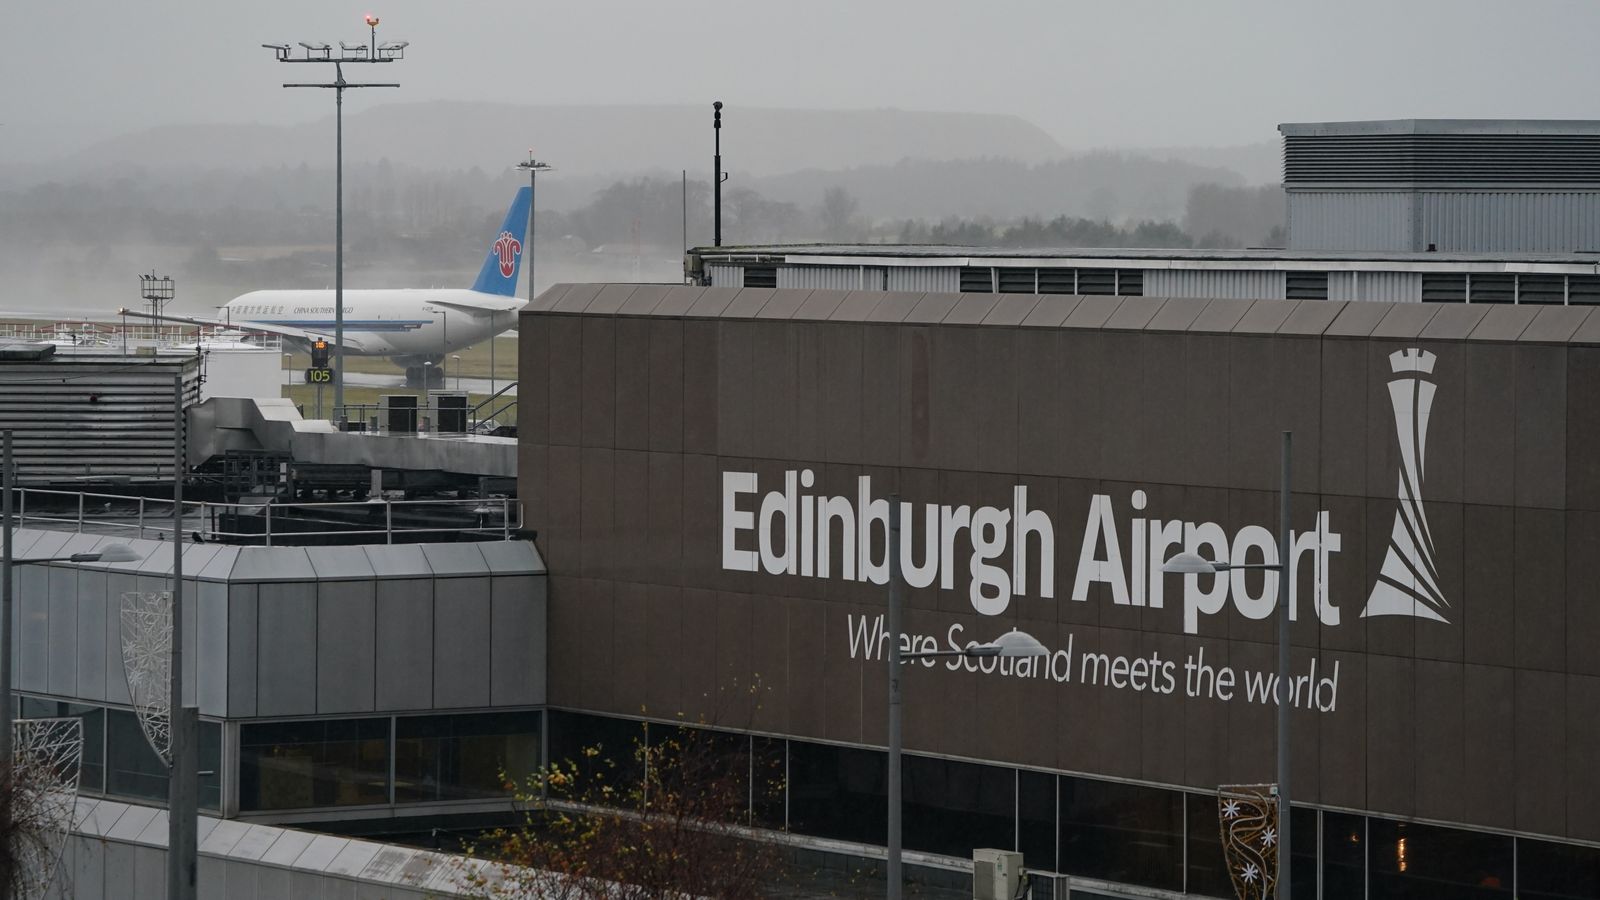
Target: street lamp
[[1195, 564], [533, 168], [1011, 644], [348, 53]]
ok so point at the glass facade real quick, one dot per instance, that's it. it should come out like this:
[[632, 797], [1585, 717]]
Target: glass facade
[[300, 765], [331, 763], [117, 759], [1118, 832], [464, 757]]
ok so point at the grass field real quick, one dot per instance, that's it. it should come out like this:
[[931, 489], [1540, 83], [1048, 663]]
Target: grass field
[[474, 361], [474, 364]]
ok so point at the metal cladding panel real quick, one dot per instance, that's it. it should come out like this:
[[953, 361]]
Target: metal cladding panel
[[462, 631], [61, 665], [345, 652], [1219, 284], [404, 657], [1371, 221], [1509, 221], [93, 612], [726, 276], [943, 279], [828, 278], [1394, 287], [211, 647], [517, 650], [287, 650]]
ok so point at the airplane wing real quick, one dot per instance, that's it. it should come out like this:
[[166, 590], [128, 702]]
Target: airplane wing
[[299, 335], [489, 305]]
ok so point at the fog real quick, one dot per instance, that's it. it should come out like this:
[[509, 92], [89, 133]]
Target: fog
[[140, 136]]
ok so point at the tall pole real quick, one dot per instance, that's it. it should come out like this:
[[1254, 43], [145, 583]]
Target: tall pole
[[533, 166], [338, 239], [7, 760], [896, 881], [183, 787], [716, 175], [1285, 686]]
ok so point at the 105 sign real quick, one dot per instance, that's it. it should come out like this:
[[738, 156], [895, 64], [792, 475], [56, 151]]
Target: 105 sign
[[319, 375]]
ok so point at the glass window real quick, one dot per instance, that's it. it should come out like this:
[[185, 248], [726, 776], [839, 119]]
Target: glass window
[[210, 761], [838, 792], [302, 765], [770, 766], [464, 757], [132, 768], [952, 807], [1122, 832], [92, 771], [602, 749], [1208, 871], [1410, 860], [715, 763], [1344, 855], [1547, 871], [1036, 819]]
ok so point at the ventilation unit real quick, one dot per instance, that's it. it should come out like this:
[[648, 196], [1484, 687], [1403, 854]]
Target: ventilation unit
[[996, 874]]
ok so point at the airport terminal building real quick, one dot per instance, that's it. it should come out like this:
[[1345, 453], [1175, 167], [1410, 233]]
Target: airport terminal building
[[710, 470]]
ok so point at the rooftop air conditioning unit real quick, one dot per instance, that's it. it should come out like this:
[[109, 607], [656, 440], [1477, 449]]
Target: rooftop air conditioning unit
[[996, 874]]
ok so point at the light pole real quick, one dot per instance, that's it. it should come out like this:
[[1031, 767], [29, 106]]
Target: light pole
[[1195, 564], [717, 178], [348, 53], [533, 168], [1013, 644], [108, 553]]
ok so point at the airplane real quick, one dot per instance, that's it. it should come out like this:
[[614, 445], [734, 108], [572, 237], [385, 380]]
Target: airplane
[[417, 328]]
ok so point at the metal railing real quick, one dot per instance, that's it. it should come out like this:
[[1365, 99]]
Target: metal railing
[[112, 336], [373, 418], [271, 522]]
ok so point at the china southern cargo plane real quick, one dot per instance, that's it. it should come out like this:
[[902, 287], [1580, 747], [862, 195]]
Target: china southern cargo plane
[[414, 327]]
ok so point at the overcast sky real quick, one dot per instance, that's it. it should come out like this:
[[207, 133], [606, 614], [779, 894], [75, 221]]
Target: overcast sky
[[1093, 73]]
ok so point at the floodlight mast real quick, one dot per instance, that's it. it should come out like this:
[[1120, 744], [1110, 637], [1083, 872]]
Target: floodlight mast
[[348, 53]]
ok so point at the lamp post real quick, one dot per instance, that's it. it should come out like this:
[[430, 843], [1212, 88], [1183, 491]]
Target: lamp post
[[348, 53], [717, 178], [533, 168], [1013, 644], [108, 553], [1194, 564]]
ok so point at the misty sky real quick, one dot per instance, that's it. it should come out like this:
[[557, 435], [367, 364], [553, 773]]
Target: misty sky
[[1093, 73]]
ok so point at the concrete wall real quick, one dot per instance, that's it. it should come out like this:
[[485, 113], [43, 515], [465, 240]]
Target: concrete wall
[[1107, 410]]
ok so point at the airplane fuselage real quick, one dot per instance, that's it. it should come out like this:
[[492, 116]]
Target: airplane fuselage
[[410, 323]]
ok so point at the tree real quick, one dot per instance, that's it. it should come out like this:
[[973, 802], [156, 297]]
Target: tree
[[665, 817], [838, 214]]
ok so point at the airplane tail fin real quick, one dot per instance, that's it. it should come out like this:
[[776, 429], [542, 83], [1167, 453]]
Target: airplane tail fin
[[504, 261]]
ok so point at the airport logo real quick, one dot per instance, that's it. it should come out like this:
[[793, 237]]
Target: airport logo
[[1408, 583], [508, 248]]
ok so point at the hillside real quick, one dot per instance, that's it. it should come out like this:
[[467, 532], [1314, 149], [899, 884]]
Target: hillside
[[589, 140]]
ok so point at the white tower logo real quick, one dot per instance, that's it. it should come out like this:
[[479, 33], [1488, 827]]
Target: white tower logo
[[1408, 584]]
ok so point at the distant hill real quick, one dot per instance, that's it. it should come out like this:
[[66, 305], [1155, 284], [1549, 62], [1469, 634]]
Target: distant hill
[[1258, 163], [590, 140], [1101, 185]]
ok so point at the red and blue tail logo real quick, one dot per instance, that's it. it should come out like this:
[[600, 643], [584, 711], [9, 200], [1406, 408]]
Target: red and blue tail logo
[[508, 248], [500, 265]]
